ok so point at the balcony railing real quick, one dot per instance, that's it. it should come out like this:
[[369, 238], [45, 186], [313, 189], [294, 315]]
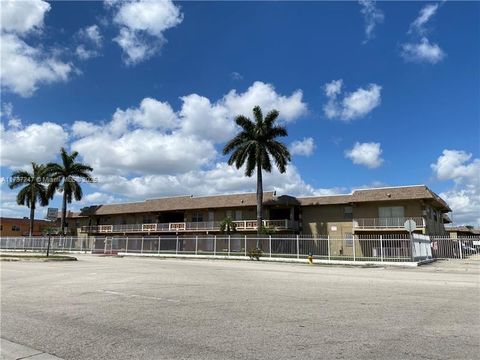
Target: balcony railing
[[241, 225], [386, 223]]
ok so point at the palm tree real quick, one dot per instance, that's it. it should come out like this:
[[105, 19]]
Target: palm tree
[[256, 144], [34, 190], [64, 178]]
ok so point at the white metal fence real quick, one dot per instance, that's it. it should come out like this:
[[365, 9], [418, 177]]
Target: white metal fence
[[365, 248], [397, 248]]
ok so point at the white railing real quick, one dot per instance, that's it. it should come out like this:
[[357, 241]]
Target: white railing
[[241, 225], [386, 223]]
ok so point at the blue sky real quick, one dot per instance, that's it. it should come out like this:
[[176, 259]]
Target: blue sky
[[372, 94]]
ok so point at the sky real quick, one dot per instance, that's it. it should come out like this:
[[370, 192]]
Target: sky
[[372, 94]]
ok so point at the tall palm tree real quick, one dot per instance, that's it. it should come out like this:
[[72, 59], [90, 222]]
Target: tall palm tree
[[64, 177], [256, 144], [33, 190]]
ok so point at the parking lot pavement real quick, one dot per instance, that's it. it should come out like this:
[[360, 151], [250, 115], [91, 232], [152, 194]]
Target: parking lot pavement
[[131, 308]]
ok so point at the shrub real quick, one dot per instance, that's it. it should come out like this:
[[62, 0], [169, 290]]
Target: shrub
[[255, 253]]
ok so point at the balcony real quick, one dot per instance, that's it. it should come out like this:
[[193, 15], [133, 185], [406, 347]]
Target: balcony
[[386, 223], [241, 225]]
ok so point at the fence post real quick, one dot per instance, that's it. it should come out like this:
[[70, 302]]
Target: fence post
[[176, 247], [141, 248], [298, 247], [214, 245], [328, 246], [229, 245], [196, 244], [353, 242], [159, 238], [270, 244], [381, 248], [460, 249], [126, 245], [245, 245], [71, 239]]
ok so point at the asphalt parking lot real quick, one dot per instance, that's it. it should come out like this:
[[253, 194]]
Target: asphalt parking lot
[[139, 308]]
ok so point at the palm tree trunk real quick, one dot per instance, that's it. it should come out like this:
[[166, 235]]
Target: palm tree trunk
[[64, 213], [32, 219], [259, 203]]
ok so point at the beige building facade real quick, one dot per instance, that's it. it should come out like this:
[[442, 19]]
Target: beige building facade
[[363, 212]]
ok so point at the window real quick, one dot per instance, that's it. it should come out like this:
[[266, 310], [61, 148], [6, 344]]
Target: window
[[197, 216], [391, 212], [238, 214], [229, 214], [348, 212], [15, 228]]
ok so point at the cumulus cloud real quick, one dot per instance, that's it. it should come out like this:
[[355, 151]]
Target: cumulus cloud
[[354, 105], [423, 51], [21, 145], [464, 196], [368, 154], [420, 49], [372, 17], [22, 17], [263, 94], [304, 147], [220, 179], [25, 67], [91, 41], [142, 26], [152, 150]]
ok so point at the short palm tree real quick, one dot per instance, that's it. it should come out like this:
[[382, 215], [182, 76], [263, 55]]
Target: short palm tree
[[33, 190], [256, 144], [64, 177]]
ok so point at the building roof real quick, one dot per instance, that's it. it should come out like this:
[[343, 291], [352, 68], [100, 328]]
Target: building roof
[[187, 203], [23, 220], [379, 194], [269, 198], [463, 229]]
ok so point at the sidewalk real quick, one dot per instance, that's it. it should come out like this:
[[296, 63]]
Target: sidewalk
[[13, 351]]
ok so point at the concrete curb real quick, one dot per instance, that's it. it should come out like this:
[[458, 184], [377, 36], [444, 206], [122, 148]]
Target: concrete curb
[[281, 260], [13, 351]]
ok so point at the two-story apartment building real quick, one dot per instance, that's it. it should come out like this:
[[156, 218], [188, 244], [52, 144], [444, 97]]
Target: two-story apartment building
[[362, 212]]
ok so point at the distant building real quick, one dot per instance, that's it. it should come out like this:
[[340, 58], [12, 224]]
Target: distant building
[[21, 227], [459, 231]]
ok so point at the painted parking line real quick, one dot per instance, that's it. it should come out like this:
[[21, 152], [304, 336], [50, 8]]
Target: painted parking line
[[118, 293]]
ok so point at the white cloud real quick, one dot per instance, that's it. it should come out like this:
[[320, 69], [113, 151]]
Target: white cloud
[[304, 147], [372, 17], [206, 120], [367, 154], [353, 105], [92, 33], [142, 25], [263, 94], [426, 13], [36, 142], [220, 179], [146, 151], [455, 165], [97, 198], [152, 114], [24, 67], [464, 197], [420, 49], [91, 42], [423, 51], [24, 16], [236, 76]]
